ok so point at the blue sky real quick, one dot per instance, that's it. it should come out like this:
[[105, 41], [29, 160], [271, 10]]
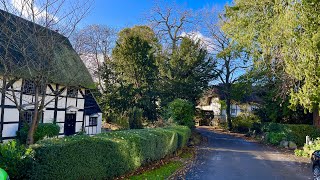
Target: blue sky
[[123, 13]]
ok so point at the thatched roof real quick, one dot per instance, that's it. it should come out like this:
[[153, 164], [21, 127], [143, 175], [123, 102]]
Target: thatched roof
[[29, 50]]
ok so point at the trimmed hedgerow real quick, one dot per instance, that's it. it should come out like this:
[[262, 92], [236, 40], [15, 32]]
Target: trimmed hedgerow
[[107, 155]]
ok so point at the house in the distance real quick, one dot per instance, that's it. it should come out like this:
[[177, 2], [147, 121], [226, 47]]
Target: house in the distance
[[213, 100], [69, 102]]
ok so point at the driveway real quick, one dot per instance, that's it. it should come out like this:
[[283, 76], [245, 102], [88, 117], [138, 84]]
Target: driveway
[[225, 157]]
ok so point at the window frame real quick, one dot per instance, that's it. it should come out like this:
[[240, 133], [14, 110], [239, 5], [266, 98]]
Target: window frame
[[93, 119], [72, 92]]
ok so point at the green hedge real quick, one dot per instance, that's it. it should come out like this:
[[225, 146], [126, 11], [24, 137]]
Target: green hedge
[[43, 130], [107, 155], [291, 132]]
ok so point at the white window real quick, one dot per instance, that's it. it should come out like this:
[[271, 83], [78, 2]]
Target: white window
[[233, 111], [93, 121]]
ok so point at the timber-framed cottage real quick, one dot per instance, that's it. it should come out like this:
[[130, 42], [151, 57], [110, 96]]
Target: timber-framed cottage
[[74, 108]]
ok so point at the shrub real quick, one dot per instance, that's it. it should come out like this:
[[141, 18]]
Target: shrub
[[15, 159], [275, 137], [135, 118], [43, 130], [182, 112], [106, 155], [245, 123], [308, 149], [293, 132]]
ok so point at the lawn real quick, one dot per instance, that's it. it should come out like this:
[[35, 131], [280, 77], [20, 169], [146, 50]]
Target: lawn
[[161, 173]]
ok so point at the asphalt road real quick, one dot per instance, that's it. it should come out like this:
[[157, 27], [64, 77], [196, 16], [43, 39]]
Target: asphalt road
[[225, 157]]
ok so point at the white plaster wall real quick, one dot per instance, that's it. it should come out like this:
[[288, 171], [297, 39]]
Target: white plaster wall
[[61, 102], [9, 130], [86, 121], [50, 100], [61, 127], [10, 102], [78, 126], [11, 115], [27, 99], [80, 104], [79, 94], [60, 116], [79, 116], [99, 123], [71, 102], [48, 116]]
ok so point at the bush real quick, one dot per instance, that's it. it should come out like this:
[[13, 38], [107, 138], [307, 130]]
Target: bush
[[293, 132], [308, 149], [15, 159], [43, 130], [275, 137], [182, 112], [245, 123], [135, 118], [106, 155]]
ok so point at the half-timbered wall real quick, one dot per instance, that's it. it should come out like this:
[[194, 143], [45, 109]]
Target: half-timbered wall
[[54, 111]]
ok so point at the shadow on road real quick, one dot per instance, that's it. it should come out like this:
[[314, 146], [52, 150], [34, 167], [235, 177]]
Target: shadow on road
[[227, 157]]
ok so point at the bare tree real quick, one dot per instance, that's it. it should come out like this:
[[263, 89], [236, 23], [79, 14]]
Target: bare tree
[[94, 44], [170, 21], [31, 51], [231, 60]]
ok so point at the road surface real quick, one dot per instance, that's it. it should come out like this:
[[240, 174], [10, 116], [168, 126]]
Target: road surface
[[225, 157]]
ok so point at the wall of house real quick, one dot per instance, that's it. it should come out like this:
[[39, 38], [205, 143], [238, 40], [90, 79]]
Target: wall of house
[[91, 130], [56, 109]]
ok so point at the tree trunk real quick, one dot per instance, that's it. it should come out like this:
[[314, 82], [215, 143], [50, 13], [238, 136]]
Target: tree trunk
[[316, 118], [228, 113], [3, 94], [32, 129]]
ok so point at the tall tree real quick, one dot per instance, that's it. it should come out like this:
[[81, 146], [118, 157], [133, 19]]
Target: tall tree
[[188, 73], [169, 22], [230, 57], [134, 65], [285, 34]]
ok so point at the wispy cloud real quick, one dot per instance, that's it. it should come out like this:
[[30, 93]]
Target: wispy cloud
[[28, 9], [196, 36]]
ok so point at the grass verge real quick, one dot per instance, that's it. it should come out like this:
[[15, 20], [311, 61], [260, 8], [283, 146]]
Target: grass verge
[[161, 173]]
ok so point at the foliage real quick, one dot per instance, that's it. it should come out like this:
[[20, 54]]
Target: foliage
[[185, 73], [291, 132], [308, 149], [130, 78], [43, 130], [106, 155], [160, 173], [182, 112], [245, 123], [293, 49], [275, 137], [15, 159], [135, 118]]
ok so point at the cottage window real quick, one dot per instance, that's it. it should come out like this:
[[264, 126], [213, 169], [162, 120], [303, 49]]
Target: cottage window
[[27, 117], [93, 121], [29, 88], [72, 92], [233, 111]]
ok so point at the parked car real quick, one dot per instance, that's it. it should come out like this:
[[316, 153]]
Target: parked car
[[315, 159]]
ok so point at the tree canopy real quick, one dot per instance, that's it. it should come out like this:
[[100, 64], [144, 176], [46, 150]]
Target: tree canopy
[[284, 37]]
